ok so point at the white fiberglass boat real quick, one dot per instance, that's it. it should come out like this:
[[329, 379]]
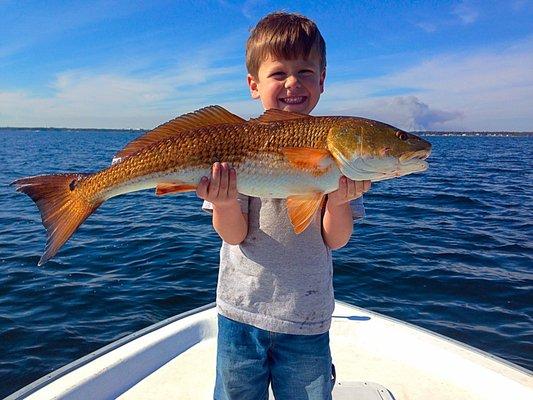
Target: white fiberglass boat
[[376, 357]]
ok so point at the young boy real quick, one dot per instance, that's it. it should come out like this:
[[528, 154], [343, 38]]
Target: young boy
[[275, 291]]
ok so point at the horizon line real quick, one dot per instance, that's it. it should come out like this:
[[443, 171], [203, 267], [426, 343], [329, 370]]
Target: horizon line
[[146, 130]]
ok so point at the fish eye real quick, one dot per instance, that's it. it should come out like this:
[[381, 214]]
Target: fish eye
[[402, 135]]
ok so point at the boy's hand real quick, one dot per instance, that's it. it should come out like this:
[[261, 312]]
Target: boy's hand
[[221, 189], [348, 190], [229, 221]]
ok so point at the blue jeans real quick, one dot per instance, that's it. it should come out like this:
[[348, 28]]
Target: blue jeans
[[249, 358]]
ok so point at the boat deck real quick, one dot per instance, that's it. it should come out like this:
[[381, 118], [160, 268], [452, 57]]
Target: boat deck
[[365, 348]]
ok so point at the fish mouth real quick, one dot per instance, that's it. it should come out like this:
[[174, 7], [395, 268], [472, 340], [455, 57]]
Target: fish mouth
[[418, 155], [412, 162], [293, 100]]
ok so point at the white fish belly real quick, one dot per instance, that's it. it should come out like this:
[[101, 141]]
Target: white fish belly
[[255, 179], [190, 176]]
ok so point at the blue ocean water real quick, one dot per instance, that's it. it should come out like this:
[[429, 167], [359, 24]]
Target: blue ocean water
[[450, 250]]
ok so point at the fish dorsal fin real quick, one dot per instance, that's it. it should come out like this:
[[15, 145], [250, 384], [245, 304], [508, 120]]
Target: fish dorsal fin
[[302, 209], [212, 115], [273, 115]]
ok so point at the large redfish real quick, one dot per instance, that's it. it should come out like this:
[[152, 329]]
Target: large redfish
[[278, 155]]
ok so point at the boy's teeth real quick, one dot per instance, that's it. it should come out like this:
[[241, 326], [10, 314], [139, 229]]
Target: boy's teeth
[[293, 100]]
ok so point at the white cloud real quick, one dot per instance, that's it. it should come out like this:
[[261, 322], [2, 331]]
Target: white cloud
[[466, 13], [53, 20], [463, 13], [483, 90], [85, 99], [249, 8], [138, 94], [407, 112], [518, 5], [429, 27], [489, 90]]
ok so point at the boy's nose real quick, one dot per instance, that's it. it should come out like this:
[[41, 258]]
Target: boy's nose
[[291, 82]]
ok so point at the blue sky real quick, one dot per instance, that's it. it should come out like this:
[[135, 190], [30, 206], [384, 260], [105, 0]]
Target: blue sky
[[433, 65]]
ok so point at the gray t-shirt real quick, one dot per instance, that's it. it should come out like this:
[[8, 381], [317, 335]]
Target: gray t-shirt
[[277, 280]]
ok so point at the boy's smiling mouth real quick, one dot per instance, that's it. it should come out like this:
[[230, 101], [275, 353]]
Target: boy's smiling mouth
[[293, 100]]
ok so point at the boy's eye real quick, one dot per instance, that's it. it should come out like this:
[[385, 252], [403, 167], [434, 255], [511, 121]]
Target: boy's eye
[[278, 74], [306, 72]]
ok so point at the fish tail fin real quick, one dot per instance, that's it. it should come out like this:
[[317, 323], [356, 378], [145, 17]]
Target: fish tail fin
[[62, 208]]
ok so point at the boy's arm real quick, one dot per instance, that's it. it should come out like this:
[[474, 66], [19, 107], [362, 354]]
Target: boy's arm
[[337, 223], [229, 221]]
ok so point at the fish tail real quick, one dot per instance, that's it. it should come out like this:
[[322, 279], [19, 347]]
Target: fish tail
[[62, 207]]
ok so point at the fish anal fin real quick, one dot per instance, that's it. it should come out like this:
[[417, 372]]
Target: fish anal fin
[[212, 115], [302, 209], [172, 188], [307, 158], [273, 115]]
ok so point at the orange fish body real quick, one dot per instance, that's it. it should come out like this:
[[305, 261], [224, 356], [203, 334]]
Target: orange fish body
[[278, 155]]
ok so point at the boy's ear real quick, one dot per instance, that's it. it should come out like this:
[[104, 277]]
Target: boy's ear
[[252, 84], [322, 79]]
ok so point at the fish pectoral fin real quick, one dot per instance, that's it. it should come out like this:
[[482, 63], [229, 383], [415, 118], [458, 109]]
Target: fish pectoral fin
[[207, 116], [302, 209], [176, 187], [307, 157]]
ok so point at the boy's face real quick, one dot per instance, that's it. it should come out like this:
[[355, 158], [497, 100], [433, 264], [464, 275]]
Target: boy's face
[[290, 85]]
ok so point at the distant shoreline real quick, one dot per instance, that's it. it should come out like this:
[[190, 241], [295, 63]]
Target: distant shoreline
[[482, 133], [10, 128], [423, 133]]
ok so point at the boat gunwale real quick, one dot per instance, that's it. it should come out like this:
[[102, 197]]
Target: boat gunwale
[[80, 362]]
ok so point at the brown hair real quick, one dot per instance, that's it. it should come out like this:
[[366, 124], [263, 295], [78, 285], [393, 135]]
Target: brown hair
[[283, 35]]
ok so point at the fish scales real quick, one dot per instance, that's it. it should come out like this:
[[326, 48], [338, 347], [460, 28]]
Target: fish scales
[[200, 148]]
